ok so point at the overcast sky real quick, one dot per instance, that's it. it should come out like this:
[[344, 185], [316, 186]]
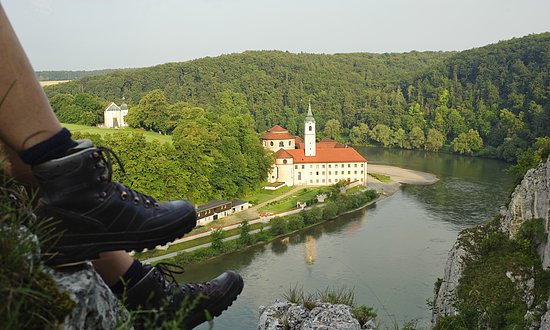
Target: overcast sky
[[99, 34]]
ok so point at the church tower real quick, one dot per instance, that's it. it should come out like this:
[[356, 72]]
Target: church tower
[[309, 133]]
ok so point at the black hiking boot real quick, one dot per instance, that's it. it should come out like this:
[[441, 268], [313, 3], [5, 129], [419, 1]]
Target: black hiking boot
[[94, 214], [158, 297]]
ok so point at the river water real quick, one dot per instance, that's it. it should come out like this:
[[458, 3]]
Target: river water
[[391, 253]]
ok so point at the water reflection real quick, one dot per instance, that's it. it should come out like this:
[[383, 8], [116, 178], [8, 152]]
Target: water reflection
[[310, 249]]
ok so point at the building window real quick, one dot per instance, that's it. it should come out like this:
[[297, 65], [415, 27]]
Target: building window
[[310, 181], [329, 166], [354, 172], [285, 161], [271, 143], [310, 166], [323, 181], [317, 166], [281, 144], [310, 128], [329, 173], [289, 143], [323, 165], [310, 173], [329, 180], [336, 165], [349, 172], [303, 167], [317, 181], [342, 172], [349, 165], [295, 167], [361, 172], [362, 165], [317, 173], [299, 176], [355, 165], [361, 179]]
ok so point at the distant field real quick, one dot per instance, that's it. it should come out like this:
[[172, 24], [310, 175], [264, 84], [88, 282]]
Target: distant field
[[52, 82], [149, 136]]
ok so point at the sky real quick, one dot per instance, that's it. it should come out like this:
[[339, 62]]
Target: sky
[[109, 34]]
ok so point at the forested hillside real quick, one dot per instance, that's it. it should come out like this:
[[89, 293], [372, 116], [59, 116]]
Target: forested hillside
[[493, 100], [68, 75]]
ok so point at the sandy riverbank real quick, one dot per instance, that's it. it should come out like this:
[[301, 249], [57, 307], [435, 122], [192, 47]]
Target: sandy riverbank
[[399, 176], [403, 175]]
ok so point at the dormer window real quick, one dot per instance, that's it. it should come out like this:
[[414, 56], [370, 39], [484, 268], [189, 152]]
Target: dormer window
[[310, 128], [281, 144], [271, 143]]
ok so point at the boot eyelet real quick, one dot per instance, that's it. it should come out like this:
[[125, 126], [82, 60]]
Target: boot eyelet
[[157, 205], [147, 203], [123, 195], [103, 194], [136, 200], [95, 154]]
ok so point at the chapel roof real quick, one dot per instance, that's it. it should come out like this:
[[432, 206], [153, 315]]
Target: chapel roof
[[326, 155], [277, 133]]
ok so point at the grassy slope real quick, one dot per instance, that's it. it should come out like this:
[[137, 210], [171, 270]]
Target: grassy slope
[[149, 136]]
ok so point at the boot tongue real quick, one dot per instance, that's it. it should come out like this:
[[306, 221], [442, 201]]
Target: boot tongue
[[82, 144]]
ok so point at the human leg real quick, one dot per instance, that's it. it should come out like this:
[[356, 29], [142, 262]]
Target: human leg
[[26, 117]]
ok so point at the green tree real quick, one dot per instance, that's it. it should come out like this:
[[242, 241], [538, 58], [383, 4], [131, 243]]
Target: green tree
[[279, 226], [383, 134], [152, 112], [434, 140], [217, 237], [332, 128], [245, 238], [467, 143], [417, 138]]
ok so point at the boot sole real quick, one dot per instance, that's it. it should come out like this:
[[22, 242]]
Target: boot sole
[[222, 304], [71, 250]]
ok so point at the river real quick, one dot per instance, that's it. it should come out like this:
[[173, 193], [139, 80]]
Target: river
[[391, 253]]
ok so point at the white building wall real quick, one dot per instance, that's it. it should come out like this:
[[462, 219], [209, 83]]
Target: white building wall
[[323, 174], [275, 145]]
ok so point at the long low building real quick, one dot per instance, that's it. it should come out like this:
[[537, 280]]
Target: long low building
[[307, 162], [218, 209]]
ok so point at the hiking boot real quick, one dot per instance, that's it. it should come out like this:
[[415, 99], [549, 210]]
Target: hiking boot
[[159, 297], [95, 215]]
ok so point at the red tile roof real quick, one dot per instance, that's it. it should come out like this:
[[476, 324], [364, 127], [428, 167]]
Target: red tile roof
[[282, 153], [277, 133], [326, 155], [277, 128]]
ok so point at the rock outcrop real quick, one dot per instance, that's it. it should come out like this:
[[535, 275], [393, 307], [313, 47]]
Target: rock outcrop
[[530, 200], [96, 306], [286, 315]]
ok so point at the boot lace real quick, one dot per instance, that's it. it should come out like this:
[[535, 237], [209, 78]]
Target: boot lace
[[106, 157], [165, 275]]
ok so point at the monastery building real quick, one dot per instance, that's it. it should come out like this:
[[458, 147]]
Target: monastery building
[[307, 162]]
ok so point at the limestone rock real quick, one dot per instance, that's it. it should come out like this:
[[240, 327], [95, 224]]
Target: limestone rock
[[287, 315], [530, 200], [444, 294], [96, 306]]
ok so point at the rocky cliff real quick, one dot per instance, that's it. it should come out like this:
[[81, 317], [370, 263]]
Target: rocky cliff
[[530, 200], [286, 315]]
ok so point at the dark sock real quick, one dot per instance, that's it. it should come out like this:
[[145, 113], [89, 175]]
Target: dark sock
[[129, 279], [52, 148]]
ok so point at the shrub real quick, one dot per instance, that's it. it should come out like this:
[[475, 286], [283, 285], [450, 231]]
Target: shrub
[[217, 239], [363, 314], [279, 226]]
